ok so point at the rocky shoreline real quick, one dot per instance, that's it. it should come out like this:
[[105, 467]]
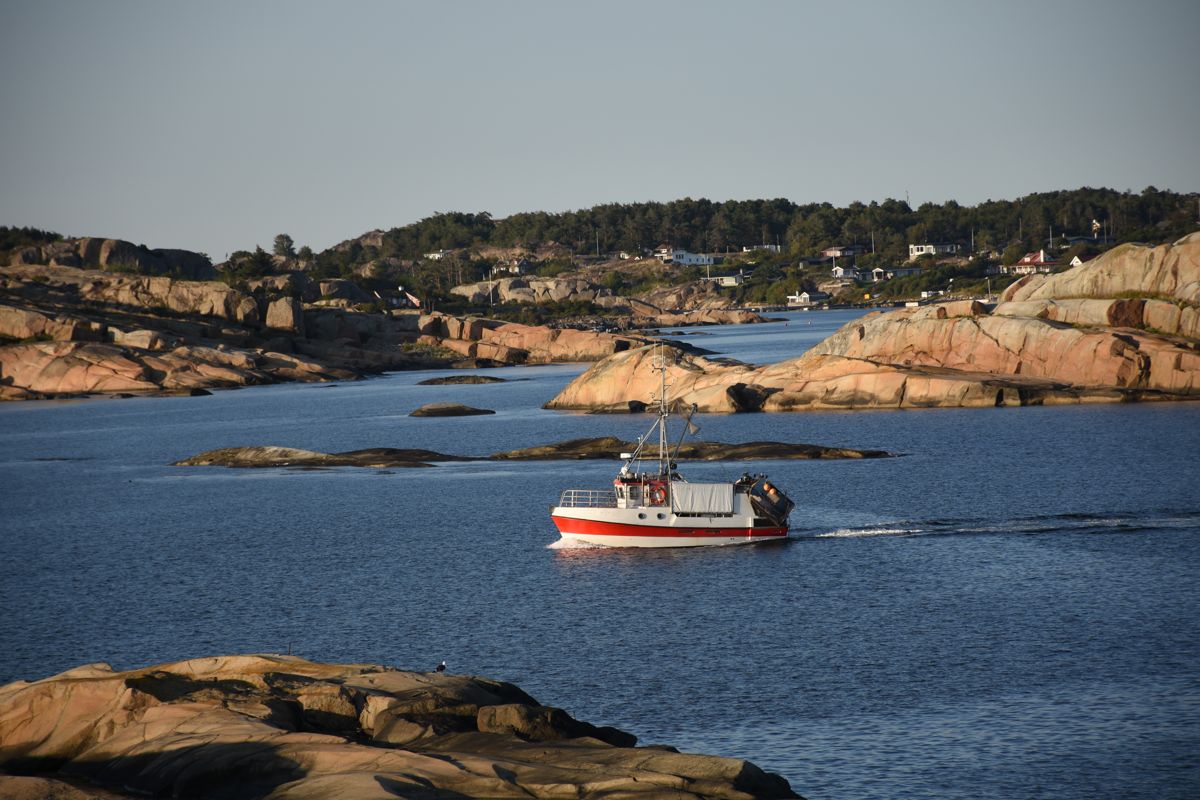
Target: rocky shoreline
[[73, 330], [273, 726], [1123, 327]]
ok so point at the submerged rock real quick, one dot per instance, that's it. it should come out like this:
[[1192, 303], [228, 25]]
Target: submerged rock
[[272, 726], [448, 410]]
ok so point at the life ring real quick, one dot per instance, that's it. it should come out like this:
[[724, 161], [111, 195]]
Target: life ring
[[658, 495]]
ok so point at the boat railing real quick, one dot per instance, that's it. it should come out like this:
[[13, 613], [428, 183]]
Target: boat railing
[[588, 498]]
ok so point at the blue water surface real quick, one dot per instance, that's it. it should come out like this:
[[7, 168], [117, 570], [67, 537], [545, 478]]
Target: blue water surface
[[1009, 608]]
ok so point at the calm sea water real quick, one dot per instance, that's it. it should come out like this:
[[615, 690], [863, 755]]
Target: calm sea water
[[1011, 609]]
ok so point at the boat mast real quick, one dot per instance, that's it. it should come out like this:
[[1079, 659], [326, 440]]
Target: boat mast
[[664, 467]]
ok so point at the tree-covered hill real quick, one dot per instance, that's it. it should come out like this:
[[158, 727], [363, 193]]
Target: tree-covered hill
[[885, 228]]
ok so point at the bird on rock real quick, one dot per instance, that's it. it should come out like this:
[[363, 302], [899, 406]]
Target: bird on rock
[[441, 667]]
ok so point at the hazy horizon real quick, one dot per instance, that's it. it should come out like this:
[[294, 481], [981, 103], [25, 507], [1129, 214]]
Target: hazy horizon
[[215, 127]]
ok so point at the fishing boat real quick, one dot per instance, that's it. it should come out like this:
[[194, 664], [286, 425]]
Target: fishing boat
[[651, 505]]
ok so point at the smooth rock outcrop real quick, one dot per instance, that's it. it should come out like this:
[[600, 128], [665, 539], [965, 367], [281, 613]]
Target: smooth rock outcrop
[[200, 298], [680, 298], [119, 256], [278, 727], [629, 377], [48, 369], [1031, 349], [514, 343]]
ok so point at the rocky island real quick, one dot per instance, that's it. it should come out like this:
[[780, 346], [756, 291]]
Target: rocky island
[[272, 456], [272, 726], [603, 447], [610, 447], [1123, 327]]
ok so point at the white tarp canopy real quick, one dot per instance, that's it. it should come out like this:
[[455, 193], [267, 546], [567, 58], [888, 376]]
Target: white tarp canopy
[[702, 498]]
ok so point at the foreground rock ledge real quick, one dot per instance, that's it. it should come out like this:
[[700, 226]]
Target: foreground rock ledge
[[271, 726]]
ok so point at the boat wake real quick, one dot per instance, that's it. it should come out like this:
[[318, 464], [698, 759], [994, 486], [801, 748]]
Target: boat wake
[[568, 544], [1053, 523]]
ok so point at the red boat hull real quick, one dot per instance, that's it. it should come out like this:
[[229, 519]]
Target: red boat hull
[[617, 534]]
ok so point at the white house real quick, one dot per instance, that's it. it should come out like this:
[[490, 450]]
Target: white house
[[684, 258], [770, 248], [915, 251], [845, 273], [437, 255]]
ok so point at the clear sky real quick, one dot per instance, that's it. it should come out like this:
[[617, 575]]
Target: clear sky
[[215, 125]]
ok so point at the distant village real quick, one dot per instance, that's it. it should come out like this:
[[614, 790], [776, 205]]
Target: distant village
[[839, 264]]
